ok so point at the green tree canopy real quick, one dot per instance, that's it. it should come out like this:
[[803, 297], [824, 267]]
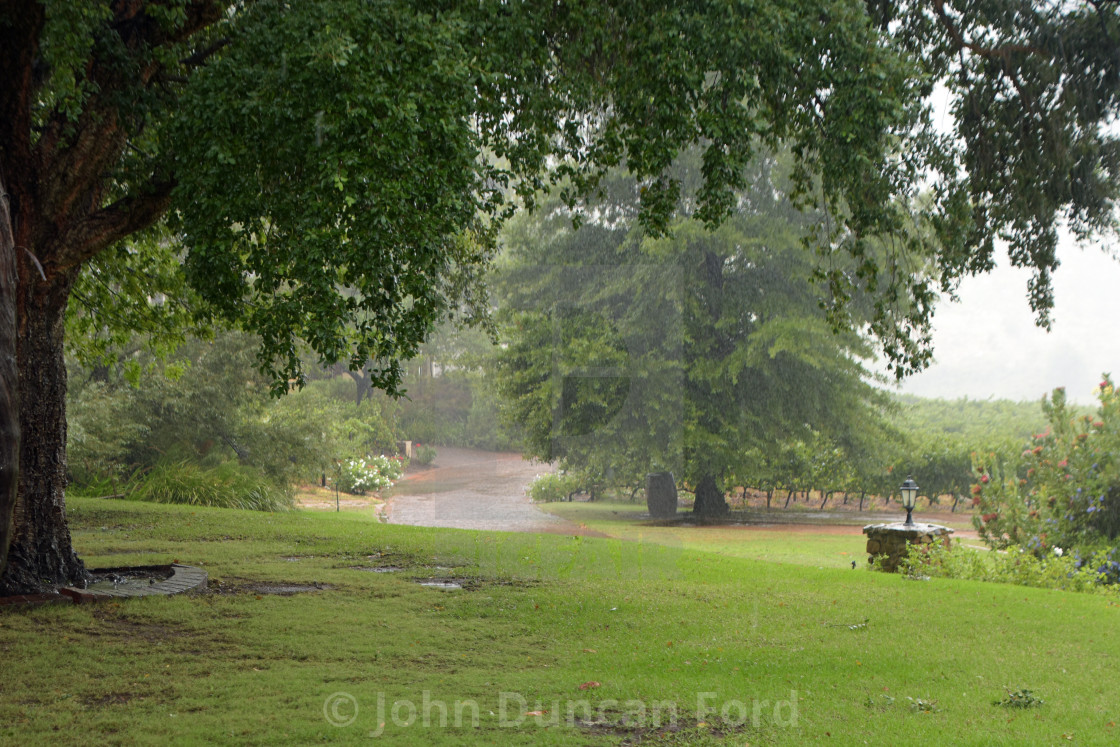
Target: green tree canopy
[[337, 170], [1034, 90]]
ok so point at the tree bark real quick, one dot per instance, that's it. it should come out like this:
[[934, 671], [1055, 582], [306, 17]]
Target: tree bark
[[709, 498], [9, 380], [41, 553], [67, 203], [363, 383]]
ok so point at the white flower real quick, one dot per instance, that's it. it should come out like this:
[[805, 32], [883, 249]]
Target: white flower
[[1058, 551]]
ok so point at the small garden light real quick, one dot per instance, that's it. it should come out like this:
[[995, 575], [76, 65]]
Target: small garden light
[[909, 492]]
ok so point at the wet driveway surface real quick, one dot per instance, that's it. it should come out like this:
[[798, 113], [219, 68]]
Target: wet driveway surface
[[468, 489]]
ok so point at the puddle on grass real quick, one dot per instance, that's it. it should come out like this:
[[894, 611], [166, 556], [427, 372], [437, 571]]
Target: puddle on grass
[[108, 584], [285, 589], [127, 578], [438, 584]]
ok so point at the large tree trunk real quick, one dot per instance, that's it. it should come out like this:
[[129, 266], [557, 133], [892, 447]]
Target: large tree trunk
[[70, 200], [363, 383], [661, 495], [709, 498], [41, 553], [9, 379]]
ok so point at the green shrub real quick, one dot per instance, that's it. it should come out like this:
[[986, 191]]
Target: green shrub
[[228, 485], [1021, 698], [102, 426], [424, 455], [327, 428], [554, 486]]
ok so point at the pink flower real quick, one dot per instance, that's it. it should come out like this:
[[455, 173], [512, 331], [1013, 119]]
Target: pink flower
[[1063, 463], [984, 479]]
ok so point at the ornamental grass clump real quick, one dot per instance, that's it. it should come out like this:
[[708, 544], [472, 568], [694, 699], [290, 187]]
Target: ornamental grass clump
[[228, 485]]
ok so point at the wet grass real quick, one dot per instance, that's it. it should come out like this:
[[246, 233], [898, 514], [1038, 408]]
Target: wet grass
[[764, 537], [552, 640], [794, 544]]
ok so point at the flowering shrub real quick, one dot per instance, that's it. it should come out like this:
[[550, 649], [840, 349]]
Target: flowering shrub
[[1063, 496], [358, 476], [1016, 565]]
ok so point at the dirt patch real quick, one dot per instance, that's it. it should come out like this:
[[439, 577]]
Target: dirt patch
[[113, 625], [317, 498], [107, 699], [284, 590], [638, 733], [229, 587]]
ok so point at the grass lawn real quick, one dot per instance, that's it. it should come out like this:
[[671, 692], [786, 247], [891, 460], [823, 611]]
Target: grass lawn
[[552, 640], [831, 546]]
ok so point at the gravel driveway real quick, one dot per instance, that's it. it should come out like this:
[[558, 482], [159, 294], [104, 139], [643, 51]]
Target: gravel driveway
[[468, 489]]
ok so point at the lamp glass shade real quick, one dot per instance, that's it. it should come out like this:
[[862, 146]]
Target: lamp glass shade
[[909, 492]]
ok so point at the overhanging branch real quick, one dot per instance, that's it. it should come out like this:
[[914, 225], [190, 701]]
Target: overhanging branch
[[110, 224], [1003, 51], [202, 55]]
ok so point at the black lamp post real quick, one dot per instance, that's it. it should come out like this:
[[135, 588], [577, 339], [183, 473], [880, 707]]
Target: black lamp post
[[909, 492]]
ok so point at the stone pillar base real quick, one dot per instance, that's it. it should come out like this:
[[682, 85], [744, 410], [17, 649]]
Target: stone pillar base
[[890, 541]]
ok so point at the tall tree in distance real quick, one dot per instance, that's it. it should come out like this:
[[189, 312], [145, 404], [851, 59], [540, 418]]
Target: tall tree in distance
[[699, 353]]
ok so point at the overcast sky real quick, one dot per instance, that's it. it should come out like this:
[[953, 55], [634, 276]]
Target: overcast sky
[[986, 346]]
